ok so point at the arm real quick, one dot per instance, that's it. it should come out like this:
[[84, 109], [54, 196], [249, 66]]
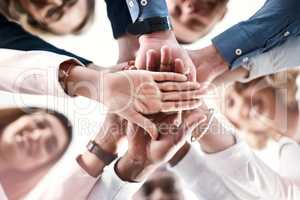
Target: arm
[[262, 32], [281, 58], [243, 173], [191, 166]]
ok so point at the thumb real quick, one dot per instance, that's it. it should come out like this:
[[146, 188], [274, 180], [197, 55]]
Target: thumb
[[143, 122]]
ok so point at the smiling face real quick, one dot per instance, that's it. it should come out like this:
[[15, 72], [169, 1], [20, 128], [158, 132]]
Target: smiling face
[[33, 140], [193, 19], [57, 16]]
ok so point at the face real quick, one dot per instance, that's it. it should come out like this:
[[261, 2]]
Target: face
[[161, 186], [33, 140], [193, 19], [251, 109], [59, 16]]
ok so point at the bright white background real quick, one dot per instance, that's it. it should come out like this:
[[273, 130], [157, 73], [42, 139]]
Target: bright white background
[[99, 46]]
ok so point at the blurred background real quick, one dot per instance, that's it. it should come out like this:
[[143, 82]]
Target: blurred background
[[98, 45]]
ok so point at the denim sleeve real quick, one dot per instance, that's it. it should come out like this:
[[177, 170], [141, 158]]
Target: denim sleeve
[[143, 9], [119, 16], [13, 36], [271, 26]]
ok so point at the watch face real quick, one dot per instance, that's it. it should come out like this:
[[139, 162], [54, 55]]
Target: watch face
[[90, 145]]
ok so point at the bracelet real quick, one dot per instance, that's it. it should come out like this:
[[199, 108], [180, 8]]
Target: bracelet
[[207, 125], [95, 149], [64, 73]]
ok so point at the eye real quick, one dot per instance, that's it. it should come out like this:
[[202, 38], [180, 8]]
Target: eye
[[230, 102], [54, 13], [257, 105]]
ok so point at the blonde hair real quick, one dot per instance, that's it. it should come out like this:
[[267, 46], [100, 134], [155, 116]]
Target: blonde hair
[[281, 80]]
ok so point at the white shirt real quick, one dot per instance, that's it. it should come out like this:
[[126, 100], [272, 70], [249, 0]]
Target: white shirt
[[200, 179], [249, 178], [31, 72]]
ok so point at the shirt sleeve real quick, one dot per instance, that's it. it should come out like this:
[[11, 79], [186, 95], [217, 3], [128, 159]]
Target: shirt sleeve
[[111, 187], [289, 159], [271, 26], [73, 183], [31, 72], [249, 177], [281, 58], [13, 36], [194, 170], [119, 16]]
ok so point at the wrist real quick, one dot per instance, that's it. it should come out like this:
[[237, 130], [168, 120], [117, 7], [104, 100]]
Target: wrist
[[91, 164], [161, 35], [133, 169]]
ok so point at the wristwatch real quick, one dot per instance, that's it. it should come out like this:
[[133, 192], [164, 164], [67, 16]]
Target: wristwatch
[[148, 16], [95, 149]]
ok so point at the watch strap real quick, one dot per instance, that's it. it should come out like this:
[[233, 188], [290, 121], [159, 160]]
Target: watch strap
[[103, 155]]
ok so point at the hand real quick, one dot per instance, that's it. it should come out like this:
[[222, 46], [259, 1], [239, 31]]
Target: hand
[[144, 153], [156, 41], [135, 92], [209, 64]]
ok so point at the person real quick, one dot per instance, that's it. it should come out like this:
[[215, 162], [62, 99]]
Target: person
[[227, 53], [32, 140], [264, 108], [192, 20], [55, 17], [162, 184]]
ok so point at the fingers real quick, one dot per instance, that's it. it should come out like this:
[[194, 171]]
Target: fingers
[[142, 122], [152, 58], [181, 96], [166, 59], [173, 86], [179, 66], [168, 76], [180, 105]]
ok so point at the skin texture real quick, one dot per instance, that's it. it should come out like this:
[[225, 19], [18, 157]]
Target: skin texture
[[135, 92], [55, 15], [193, 19], [33, 140]]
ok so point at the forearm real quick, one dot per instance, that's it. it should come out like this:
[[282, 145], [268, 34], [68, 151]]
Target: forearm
[[219, 137], [32, 72]]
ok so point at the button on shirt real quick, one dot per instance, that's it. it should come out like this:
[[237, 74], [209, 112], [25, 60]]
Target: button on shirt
[[271, 26]]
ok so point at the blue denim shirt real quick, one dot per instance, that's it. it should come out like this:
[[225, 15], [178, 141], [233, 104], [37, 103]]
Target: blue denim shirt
[[143, 9], [271, 26]]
